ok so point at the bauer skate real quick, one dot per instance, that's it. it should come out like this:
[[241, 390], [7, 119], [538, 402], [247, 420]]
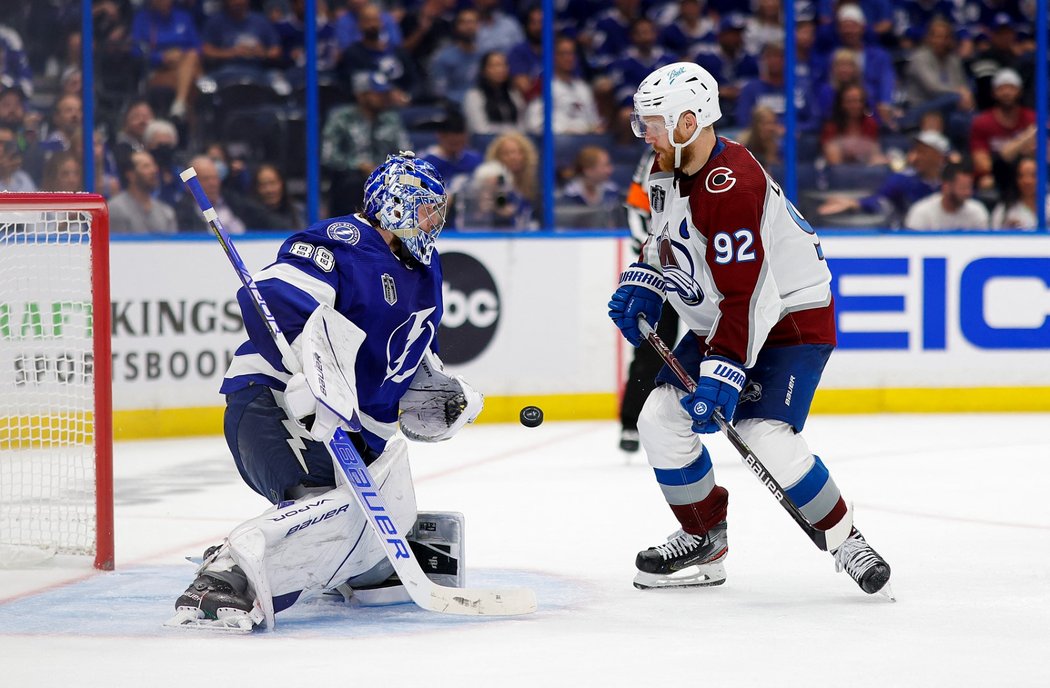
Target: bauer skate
[[685, 560], [864, 565]]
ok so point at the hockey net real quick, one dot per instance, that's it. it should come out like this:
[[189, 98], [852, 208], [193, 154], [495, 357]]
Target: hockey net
[[56, 494]]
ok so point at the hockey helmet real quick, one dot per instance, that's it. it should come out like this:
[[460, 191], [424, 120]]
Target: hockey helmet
[[669, 92], [406, 196]]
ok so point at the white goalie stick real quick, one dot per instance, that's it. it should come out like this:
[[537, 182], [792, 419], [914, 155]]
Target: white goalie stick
[[826, 540], [423, 591]]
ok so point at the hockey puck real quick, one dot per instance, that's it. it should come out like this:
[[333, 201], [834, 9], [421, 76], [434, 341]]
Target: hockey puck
[[531, 416]]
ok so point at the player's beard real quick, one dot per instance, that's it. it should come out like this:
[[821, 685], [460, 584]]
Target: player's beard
[[665, 158]]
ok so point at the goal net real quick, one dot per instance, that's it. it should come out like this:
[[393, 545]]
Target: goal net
[[56, 492]]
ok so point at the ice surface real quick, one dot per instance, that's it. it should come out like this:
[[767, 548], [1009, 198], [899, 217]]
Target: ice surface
[[955, 503]]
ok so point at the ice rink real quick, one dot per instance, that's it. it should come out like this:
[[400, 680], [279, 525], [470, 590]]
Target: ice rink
[[955, 503]]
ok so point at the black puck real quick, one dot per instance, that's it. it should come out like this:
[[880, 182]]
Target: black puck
[[531, 416]]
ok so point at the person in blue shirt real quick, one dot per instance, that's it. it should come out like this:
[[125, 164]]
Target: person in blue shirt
[[237, 39], [452, 157], [728, 61], [292, 35], [375, 279], [768, 91], [348, 27], [454, 68], [14, 63], [880, 79], [167, 36]]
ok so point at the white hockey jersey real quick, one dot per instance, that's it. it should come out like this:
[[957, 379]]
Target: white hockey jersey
[[742, 266]]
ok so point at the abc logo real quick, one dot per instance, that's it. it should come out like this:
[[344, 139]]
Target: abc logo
[[471, 308]]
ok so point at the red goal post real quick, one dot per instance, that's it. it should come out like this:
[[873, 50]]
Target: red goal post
[[56, 437]]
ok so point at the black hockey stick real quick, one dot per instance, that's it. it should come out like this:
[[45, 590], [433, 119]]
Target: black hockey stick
[[825, 540]]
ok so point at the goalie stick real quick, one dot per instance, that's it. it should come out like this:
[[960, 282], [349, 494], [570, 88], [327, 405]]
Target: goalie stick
[[423, 591], [826, 540]]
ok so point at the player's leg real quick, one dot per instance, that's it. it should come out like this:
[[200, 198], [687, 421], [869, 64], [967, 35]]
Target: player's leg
[[770, 416]]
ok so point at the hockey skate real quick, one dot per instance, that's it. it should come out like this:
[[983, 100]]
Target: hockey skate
[[629, 440], [864, 565], [684, 561], [217, 600]]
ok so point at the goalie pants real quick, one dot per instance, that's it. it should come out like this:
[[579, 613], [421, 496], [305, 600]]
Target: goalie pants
[[769, 417], [274, 455]]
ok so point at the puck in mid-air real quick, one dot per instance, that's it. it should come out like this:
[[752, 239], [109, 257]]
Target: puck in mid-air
[[531, 416]]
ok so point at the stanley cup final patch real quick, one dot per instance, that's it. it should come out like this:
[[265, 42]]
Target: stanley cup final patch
[[389, 290], [656, 198]]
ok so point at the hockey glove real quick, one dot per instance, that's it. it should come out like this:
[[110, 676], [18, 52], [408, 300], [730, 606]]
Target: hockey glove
[[718, 388], [641, 292], [437, 405], [300, 402]]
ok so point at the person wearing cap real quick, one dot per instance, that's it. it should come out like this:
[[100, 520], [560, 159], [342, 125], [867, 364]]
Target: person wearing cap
[[880, 79], [934, 78], [1003, 132], [900, 190], [953, 207], [357, 137], [374, 53], [1001, 50], [452, 156], [728, 61]]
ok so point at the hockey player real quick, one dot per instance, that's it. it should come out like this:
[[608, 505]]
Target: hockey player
[[747, 276], [378, 269]]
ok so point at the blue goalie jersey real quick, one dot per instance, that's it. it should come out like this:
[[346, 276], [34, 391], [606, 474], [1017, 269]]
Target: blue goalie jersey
[[345, 263]]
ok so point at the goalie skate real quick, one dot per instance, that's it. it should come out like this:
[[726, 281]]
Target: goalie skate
[[217, 601], [684, 561]]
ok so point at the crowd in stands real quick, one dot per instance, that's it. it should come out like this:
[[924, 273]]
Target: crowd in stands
[[909, 113]]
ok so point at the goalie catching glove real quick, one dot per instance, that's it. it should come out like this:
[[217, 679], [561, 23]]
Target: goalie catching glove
[[437, 405]]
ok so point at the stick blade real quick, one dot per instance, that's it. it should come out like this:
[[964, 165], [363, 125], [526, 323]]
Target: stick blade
[[480, 601]]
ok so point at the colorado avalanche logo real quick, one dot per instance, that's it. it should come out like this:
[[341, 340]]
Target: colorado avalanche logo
[[407, 344], [679, 279], [344, 231], [720, 180]]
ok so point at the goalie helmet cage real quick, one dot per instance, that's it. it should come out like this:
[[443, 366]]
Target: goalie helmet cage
[[56, 439]]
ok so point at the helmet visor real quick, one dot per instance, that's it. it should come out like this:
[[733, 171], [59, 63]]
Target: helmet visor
[[643, 124]]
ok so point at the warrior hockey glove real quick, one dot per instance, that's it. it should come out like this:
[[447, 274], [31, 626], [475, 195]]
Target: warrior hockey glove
[[718, 388], [641, 292], [319, 420]]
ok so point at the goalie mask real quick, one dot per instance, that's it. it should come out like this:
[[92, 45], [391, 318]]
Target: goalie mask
[[670, 91], [406, 196]]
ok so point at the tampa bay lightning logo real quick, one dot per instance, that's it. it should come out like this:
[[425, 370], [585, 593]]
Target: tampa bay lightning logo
[[679, 270], [407, 344], [345, 232]]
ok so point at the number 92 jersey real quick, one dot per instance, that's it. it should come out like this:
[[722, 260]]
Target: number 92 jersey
[[740, 263]]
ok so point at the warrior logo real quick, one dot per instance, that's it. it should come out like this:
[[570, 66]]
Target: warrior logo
[[389, 289], [720, 180], [752, 392], [679, 274], [656, 198], [344, 231]]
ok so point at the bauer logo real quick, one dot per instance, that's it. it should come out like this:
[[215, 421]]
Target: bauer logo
[[472, 308]]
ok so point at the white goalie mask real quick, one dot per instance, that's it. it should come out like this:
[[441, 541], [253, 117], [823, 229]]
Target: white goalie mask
[[671, 91]]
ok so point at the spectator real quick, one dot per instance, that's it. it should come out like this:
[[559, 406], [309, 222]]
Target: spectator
[[357, 138], [575, 110], [12, 176], [764, 138], [901, 190], [934, 77], [161, 139], [517, 153], [1001, 52], [851, 136], [107, 169], [728, 62], [374, 54], [137, 116], [228, 206], [810, 65], [952, 208], [1019, 210], [426, 30], [453, 159], [455, 67], [592, 185], [642, 56], [845, 71], [13, 110], [71, 81], [348, 26], [237, 40], [167, 37], [493, 106], [880, 80], [134, 210], [62, 173], [496, 29], [604, 36], [768, 90], [66, 119], [684, 28], [14, 63], [913, 17], [493, 202], [273, 209], [291, 33], [764, 26], [525, 59], [999, 135]]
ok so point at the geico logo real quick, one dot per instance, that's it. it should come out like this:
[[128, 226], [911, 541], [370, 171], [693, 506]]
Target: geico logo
[[931, 304], [479, 308]]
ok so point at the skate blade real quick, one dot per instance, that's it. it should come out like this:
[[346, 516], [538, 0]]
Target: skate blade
[[704, 576], [193, 619], [887, 592]]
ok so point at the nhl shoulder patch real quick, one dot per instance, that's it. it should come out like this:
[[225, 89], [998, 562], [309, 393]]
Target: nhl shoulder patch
[[346, 232]]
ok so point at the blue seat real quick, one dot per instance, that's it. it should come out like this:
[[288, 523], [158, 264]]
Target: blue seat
[[856, 177]]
